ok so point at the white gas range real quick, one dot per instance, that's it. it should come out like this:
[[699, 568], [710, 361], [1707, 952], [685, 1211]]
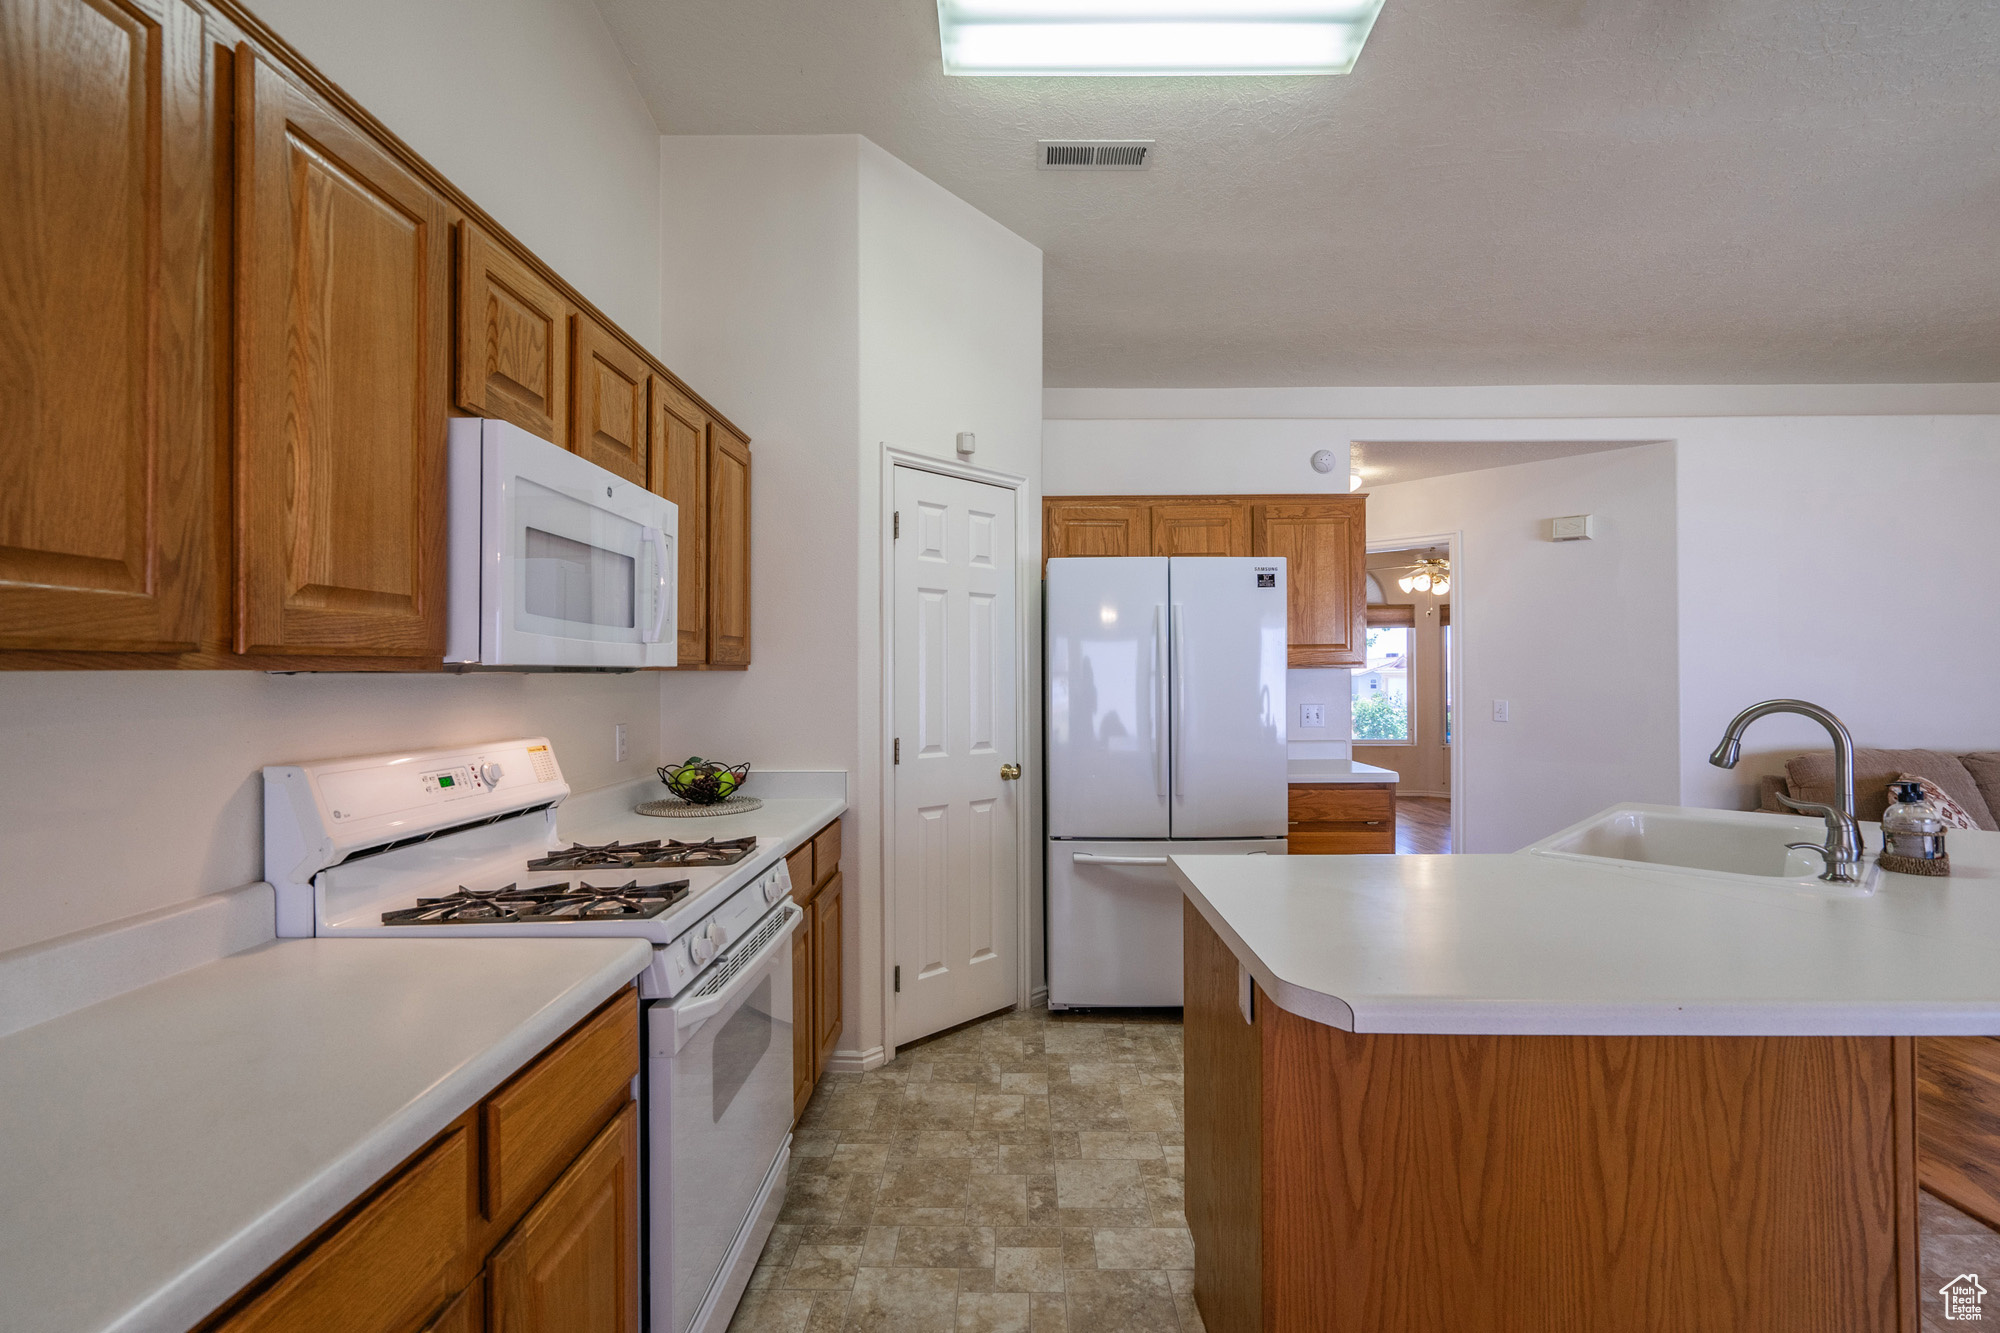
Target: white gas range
[[464, 842]]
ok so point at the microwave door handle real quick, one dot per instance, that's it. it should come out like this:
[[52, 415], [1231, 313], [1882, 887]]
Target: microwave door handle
[[690, 1015], [656, 539]]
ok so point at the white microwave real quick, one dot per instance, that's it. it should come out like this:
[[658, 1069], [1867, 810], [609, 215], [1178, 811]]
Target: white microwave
[[556, 563]]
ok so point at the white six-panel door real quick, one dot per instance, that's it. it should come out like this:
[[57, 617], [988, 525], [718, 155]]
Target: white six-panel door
[[955, 817]]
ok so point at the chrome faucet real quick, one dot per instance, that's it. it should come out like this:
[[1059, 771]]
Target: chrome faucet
[[1842, 852]]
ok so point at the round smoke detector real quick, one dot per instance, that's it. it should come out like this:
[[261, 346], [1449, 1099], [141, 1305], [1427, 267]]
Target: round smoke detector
[[1324, 461]]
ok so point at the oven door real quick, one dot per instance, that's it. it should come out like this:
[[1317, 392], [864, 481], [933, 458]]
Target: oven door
[[576, 566], [720, 1090]]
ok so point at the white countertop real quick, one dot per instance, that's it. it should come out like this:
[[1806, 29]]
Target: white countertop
[[1315, 772], [162, 1148], [1523, 943]]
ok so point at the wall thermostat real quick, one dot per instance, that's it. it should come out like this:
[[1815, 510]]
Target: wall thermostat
[[966, 444], [1324, 461], [1575, 528]]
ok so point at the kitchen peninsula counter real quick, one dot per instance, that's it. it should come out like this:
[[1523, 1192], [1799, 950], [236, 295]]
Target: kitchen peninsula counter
[[1522, 1092]]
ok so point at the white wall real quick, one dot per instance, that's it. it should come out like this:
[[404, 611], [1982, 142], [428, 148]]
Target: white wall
[[1579, 637], [526, 105], [831, 300], [125, 791], [1849, 561], [1200, 456]]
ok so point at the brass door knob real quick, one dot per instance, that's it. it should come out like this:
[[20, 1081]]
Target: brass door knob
[[1010, 772]]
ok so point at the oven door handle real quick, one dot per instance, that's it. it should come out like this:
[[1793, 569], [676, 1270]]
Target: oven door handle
[[689, 1015], [656, 539]]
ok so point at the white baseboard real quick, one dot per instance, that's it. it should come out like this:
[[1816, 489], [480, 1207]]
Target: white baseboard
[[856, 1062], [1038, 997]]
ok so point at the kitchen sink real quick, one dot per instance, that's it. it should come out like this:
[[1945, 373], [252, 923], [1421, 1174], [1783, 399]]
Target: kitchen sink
[[1741, 845]]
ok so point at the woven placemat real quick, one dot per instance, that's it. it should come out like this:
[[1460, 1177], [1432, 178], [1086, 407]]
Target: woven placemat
[[675, 808]]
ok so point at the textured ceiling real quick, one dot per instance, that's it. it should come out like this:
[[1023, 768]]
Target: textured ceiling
[[1385, 464], [1513, 192]]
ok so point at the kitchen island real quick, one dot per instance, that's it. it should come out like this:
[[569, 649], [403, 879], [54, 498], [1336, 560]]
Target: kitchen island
[[1527, 1092]]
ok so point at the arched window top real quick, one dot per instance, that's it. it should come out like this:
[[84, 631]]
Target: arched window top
[[1375, 591]]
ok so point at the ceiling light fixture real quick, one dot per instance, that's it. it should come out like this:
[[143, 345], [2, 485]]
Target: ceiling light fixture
[[1153, 37], [1354, 481], [1431, 575]]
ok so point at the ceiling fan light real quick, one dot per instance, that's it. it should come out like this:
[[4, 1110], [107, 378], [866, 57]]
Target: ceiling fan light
[[1422, 582], [1407, 583], [1440, 587]]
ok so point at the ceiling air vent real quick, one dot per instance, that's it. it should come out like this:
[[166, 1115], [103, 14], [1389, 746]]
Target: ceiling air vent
[[1094, 154]]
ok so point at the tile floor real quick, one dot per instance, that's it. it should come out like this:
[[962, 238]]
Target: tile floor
[[1022, 1174]]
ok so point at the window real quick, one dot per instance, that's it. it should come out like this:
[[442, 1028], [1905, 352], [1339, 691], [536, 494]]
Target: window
[[1381, 689]]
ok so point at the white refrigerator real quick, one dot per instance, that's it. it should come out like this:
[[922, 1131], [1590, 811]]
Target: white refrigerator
[[1165, 717]]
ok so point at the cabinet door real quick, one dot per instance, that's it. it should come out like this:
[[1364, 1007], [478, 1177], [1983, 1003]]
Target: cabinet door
[[387, 1267], [608, 418], [826, 972], [1324, 543], [513, 339], [804, 1073], [105, 377], [572, 1266], [728, 548], [465, 1314], [680, 472], [343, 376], [1211, 528], [1094, 527]]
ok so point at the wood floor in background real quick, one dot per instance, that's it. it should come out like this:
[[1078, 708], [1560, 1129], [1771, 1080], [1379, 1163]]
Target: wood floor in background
[[1423, 824]]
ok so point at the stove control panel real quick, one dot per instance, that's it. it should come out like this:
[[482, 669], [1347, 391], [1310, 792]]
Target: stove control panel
[[675, 966]]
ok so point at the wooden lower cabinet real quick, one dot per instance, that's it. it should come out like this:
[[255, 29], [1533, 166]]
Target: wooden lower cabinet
[[816, 962], [1342, 1182], [559, 1245], [1323, 539], [573, 1263], [1339, 819], [1958, 1123]]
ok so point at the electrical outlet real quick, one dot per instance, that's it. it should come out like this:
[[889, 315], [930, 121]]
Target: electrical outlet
[[618, 743], [1312, 715], [1499, 710]]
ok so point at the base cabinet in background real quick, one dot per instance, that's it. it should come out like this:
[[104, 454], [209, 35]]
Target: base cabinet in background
[[816, 962], [1341, 819], [444, 1244]]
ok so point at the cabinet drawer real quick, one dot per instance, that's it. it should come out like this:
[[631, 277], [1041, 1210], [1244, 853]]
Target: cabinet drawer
[[826, 852], [1342, 842], [545, 1116], [799, 865], [394, 1262], [1342, 805]]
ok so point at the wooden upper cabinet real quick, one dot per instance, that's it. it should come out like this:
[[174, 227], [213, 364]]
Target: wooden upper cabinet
[[728, 548], [680, 472], [343, 287], [608, 413], [1208, 528], [1324, 543], [105, 322], [513, 339], [572, 1266], [1094, 527]]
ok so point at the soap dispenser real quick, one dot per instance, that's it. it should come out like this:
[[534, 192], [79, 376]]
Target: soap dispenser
[[1913, 833]]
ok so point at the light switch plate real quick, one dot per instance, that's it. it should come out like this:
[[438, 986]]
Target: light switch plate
[[1312, 715], [1499, 710]]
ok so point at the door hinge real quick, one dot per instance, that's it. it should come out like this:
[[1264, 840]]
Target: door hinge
[[899, 979], [896, 526], [897, 751]]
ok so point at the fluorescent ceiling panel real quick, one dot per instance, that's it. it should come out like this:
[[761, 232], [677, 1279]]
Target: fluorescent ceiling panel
[[1153, 37]]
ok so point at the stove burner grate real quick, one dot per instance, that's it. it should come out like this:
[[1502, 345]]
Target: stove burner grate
[[650, 854], [510, 904]]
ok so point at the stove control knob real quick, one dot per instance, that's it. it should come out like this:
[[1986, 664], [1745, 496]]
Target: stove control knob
[[492, 773], [700, 950], [718, 936], [771, 889]]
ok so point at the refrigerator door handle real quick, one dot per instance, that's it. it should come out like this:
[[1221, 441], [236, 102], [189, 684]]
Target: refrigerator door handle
[[1093, 859], [1158, 703], [1179, 673]]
